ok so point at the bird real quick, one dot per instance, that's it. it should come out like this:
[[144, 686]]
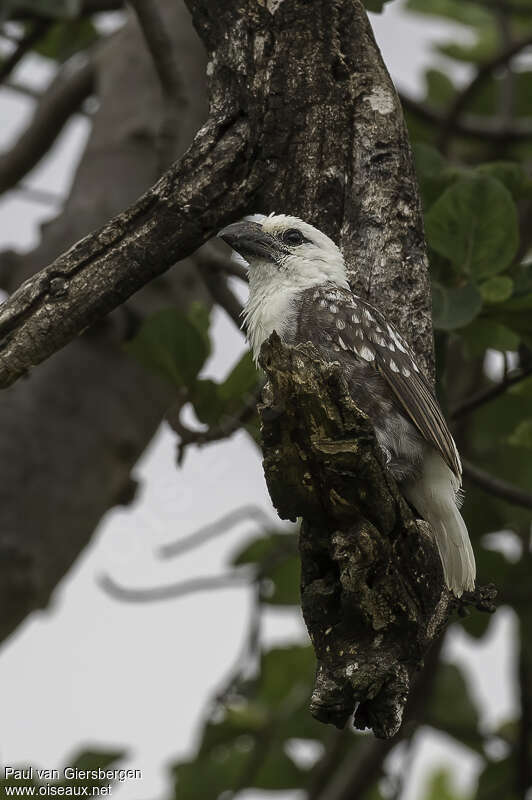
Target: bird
[[298, 287]]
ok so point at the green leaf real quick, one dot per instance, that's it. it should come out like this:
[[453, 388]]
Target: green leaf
[[212, 401], [440, 88], [451, 708], [522, 435], [94, 759], [205, 397], [457, 10], [377, 6], [241, 383], [486, 333], [429, 161], [498, 780], [277, 556], [440, 787], [265, 547], [484, 48], [509, 173], [474, 225], [496, 289], [454, 308], [173, 344], [66, 38]]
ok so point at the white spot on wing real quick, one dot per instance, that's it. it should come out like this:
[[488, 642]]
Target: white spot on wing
[[406, 372], [333, 309], [393, 366], [356, 319], [340, 324], [342, 343], [366, 353]]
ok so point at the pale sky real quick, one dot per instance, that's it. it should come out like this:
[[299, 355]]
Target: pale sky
[[91, 671]]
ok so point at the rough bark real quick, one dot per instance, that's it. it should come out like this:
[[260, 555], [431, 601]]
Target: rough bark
[[303, 119], [72, 430], [371, 584]]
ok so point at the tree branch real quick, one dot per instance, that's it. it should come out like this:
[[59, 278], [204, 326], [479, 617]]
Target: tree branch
[[486, 395], [161, 50], [484, 71], [472, 127], [167, 224], [63, 98], [217, 285], [36, 32], [72, 431], [216, 433], [492, 485], [215, 529], [176, 590]]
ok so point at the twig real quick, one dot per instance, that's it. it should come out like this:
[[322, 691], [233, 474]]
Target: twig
[[484, 71], [62, 99], [233, 268], [218, 288], [19, 88], [35, 33], [218, 262], [161, 49], [226, 428], [486, 395], [169, 222], [176, 590], [221, 526], [492, 485], [42, 196], [470, 126]]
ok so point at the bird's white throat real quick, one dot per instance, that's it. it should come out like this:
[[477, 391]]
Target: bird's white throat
[[272, 301]]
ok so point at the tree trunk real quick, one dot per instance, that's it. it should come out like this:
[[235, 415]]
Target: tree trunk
[[73, 429]]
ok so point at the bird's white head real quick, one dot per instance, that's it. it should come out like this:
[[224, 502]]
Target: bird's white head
[[286, 256], [286, 252]]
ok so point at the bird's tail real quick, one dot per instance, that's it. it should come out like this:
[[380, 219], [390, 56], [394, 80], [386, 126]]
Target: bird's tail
[[434, 496]]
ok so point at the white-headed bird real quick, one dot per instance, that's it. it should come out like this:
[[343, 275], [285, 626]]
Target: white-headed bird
[[298, 287]]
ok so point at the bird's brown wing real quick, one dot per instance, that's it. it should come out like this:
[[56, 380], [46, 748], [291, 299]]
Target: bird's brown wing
[[360, 328]]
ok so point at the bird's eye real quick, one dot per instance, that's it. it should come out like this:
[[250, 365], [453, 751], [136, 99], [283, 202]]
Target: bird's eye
[[293, 237]]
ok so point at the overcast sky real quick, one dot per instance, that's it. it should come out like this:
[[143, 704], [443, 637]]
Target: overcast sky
[[91, 671]]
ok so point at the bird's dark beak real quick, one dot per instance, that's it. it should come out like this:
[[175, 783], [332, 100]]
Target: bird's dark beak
[[251, 241]]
